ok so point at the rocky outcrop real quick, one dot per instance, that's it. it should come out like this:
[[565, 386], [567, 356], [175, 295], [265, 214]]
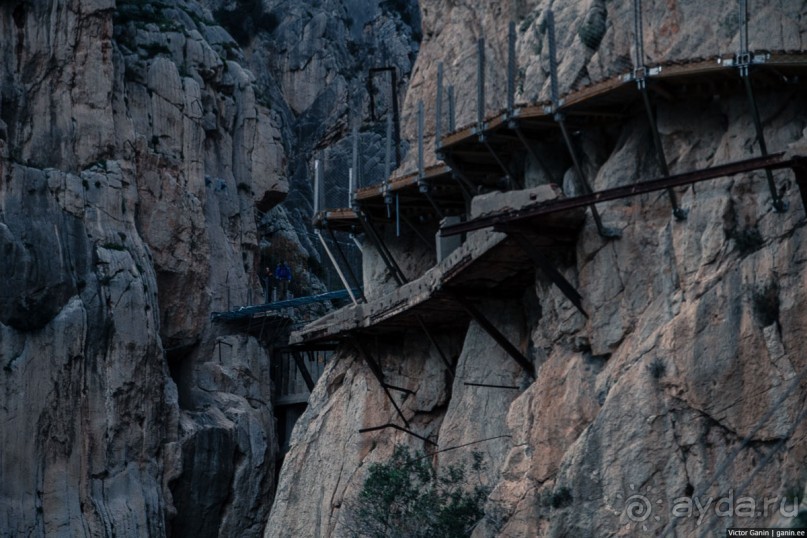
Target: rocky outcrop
[[685, 381], [133, 149]]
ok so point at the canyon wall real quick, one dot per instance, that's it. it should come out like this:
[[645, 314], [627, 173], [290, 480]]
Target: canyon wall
[[133, 150]]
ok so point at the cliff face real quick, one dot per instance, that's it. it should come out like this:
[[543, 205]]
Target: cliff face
[[133, 149], [695, 329], [144, 149]]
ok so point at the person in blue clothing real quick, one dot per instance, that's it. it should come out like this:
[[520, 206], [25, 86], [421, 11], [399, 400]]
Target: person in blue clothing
[[283, 278]]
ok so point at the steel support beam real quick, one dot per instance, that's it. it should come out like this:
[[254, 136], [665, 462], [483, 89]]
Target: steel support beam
[[464, 183], [375, 368], [578, 170], [507, 178], [418, 233], [743, 61], [489, 386], [549, 270], [336, 266], [513, 126], [399, 428], [386, 255], [346, 263], [774, 161], [494, 333], [559, 117], [300, 362], [434, 343]]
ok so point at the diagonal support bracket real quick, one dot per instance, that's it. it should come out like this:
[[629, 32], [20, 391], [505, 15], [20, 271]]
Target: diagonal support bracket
[[300, 362], [549, 270], [379, 375], [433, 341], [399, 428], [494, 333], [386, 255]]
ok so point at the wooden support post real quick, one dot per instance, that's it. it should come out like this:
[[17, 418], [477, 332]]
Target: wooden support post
[[494, 333], [300, 361]]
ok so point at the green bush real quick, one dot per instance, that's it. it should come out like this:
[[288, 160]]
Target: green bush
[[405, 497]]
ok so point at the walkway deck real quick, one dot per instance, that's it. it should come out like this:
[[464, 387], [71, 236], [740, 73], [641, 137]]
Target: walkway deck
[[268, 309], [609, 101], [507, 133], [489, 264]]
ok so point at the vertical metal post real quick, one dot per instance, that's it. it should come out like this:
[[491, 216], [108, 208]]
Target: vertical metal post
[[743, 27], [438, 108], [511, 69], [553, 59], [743, 62], [388, 151], [638, 33], [397, 216], [396, 116], [640, 75], [356, 171], [421, 171], [452, 113], [480, 84], [316, 186], [560, 119], [350, 188]]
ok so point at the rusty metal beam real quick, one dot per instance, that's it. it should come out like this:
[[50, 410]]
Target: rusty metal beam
[[434, 343], [399, 428], [774, 162], [386, 255], [300, 362], [494, 333], [549, 270], [375, 368]]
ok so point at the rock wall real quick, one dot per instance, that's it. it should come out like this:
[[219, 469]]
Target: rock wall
[[133, 149], [695, 329]]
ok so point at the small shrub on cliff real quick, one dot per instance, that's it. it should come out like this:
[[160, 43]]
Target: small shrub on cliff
[[405, 497]]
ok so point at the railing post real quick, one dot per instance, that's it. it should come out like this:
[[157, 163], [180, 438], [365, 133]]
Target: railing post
[[438, 108], [316, 186], [480, 84], [452, 113], [511, 69]]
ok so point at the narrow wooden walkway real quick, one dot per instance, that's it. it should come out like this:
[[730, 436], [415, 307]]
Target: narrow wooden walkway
[[509, 132]]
